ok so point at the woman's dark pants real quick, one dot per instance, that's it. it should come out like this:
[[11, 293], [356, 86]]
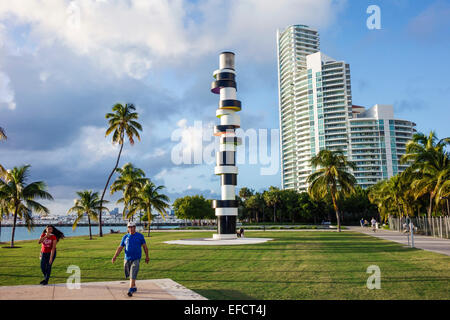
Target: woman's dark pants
[[46, 267]]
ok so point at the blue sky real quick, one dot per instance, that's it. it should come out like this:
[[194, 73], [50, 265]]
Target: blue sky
[[63, 64]]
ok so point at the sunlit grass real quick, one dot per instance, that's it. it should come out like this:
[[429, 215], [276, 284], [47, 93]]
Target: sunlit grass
[[295, 265]]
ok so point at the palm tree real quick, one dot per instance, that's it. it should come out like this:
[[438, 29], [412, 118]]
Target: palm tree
[[395, 196], [379, 196], [245, 193], [407, 194], [331, 178], [272, 197], [20, 197], [434, 175], [89, 204], [2, 134], [4, 205], [131, 179], [149, 198], [122, 123], [430, 164], [421, 147], [4, 212], [255, 204], [2, 137], [3, 174]]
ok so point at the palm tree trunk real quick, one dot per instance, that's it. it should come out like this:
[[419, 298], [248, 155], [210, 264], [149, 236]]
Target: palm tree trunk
[[430, 206], [89, 222], [274, 212], [149, 220], [333, 197], [100, 232], [14, 225], [400, 213]]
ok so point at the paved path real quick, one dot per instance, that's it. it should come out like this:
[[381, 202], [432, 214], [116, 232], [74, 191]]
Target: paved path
[[422, 242], [158, 289]]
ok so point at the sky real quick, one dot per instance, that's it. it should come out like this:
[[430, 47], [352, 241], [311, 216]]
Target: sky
[[64, 64]]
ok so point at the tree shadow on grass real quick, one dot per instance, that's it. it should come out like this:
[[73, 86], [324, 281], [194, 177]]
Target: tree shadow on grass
[[224, 294], [308, 248], [307, 281], [235, 294]]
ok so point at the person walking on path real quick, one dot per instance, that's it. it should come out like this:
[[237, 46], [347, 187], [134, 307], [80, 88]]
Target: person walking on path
[[374, 224], [49, 238], [133, 242], [361, 222]]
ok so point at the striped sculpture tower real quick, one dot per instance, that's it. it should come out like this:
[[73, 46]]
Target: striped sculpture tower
[[226, 209]]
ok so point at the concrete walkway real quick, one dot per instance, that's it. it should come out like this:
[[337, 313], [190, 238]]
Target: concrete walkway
[[421, 242], [158, 289]]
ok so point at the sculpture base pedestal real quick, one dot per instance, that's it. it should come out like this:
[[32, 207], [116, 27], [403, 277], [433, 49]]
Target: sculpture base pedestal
[[218, 242], [217, 236], [226, 226]]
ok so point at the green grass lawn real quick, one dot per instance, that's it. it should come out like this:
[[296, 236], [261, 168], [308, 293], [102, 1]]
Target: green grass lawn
[[294, 266]]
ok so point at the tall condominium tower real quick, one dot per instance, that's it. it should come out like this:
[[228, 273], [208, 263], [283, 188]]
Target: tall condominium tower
[[295, 43], [316, 113]]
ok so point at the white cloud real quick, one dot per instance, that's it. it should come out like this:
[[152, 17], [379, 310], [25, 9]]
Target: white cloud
[[89, 149], [425, 26], [182, 123], [131, 36], [2, 36], [177, 180], [43, 76], [6, 92], [253, 23], [93, 146]]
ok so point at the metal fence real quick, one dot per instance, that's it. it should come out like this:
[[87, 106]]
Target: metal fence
[[438, 227]]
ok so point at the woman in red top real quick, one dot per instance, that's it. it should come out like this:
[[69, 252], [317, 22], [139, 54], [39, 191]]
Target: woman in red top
[[49, 238]]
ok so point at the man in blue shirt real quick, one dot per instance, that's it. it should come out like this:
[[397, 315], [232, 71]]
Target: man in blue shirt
[[132, 241]]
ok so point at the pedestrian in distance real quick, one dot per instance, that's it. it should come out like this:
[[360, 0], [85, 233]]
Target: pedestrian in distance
[[361, 222], [374, 224], [49, 238], [133, 242]]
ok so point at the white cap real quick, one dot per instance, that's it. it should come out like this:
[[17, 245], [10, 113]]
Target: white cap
[[131, 224]]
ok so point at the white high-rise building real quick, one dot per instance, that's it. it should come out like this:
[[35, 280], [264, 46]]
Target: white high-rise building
[[378, 141], [316, 113], [295, 43]]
